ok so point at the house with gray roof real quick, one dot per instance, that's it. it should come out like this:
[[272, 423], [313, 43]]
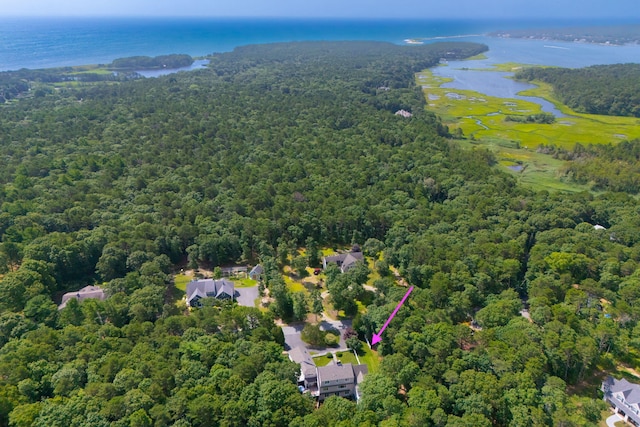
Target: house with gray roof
[[256, 272], [209, 288], [308, 372], [337, 379], [624, 397], [88, 292], [344, 261]]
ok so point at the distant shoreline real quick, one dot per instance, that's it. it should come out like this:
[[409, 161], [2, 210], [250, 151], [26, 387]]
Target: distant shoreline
[[60, 42], [611, 35]]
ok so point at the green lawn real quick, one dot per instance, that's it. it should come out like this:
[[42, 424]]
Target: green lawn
[[293, 285], [343, 356], [244, 283], [322, 360], [374, 275], [181, 281], [370, 358]]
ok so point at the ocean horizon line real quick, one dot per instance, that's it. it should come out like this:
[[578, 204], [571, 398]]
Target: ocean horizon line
[[62, 41]]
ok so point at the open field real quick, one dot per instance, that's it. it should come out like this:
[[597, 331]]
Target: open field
[[482, 120]]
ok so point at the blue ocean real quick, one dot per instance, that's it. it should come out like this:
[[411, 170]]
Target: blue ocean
[[55, 42]]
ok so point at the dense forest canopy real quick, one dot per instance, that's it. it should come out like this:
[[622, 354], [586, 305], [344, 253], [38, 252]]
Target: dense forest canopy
[[601, 89], [276, 147]]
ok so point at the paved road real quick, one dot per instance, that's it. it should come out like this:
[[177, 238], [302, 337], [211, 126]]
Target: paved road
[[247, 296], [613, 419]]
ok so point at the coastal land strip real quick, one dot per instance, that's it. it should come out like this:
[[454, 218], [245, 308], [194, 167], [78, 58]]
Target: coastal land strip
[[608, 35]]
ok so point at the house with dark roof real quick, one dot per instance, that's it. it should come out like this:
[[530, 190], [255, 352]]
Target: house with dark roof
[[209, 288], [308, 372], [256, 272], [337, 379], [88, 292], [624, 397], [344, 261]]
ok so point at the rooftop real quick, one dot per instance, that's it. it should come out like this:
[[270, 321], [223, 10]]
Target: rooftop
[[95, 292], [333, 372]]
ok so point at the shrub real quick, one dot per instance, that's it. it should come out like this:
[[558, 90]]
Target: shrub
[[313, 335], [331, 340]]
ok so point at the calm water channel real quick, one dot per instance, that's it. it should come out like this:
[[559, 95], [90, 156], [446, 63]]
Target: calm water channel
[[536, 52]]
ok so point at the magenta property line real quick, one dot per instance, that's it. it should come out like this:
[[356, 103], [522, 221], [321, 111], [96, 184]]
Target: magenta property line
[[395, 311]]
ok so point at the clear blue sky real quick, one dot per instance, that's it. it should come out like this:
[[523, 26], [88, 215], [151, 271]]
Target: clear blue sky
[[502, 9]]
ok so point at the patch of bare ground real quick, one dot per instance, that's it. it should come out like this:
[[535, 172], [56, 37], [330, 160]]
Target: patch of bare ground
[[399, 279], [629, 369]]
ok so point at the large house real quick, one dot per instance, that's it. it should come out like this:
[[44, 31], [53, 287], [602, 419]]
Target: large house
[[308, 372], [88, 292], [209, 288], [624, 397], [337, 379], [344, 261]]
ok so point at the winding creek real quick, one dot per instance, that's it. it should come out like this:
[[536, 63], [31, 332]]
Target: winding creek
[[472, 75], [491, 83]]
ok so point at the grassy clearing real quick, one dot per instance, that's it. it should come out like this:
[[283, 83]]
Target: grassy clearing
[[90, 70], [537, 170], [244, 283], [328, 252], [370, 358], [181, 281], [293, 285], [180, 288], [482, 118]]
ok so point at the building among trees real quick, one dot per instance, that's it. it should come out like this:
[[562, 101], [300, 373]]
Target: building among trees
[[344, 261], [85, 293], [337, 379], [209, 288], [624, 397]]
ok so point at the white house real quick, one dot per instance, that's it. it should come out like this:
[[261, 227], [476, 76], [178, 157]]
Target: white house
[[624, 397]]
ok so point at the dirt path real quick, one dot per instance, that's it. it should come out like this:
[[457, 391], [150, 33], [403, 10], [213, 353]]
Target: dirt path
[[398, 277]]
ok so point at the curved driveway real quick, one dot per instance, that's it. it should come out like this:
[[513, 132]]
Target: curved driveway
[[613, 419]]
